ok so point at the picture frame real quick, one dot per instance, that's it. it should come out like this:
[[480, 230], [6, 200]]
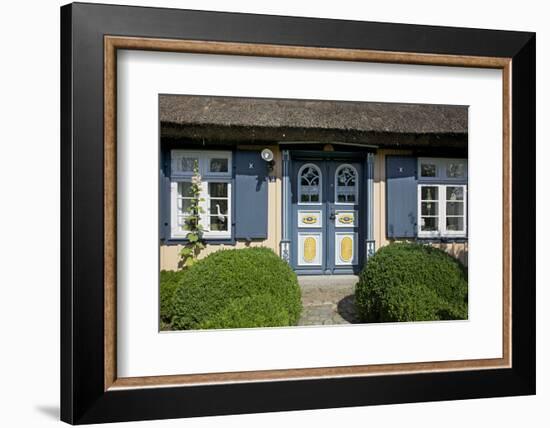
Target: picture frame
[[91, 391]]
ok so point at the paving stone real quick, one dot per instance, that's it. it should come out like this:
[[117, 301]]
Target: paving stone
[[329, 303]]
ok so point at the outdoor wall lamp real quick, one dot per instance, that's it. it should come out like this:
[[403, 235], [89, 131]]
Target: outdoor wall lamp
[[267, 155]]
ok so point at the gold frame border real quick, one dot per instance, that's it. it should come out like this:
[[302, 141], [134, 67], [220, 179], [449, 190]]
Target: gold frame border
[[113, 43]]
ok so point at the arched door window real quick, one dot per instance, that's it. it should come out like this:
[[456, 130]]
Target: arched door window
[[309, 184], [346, 185]]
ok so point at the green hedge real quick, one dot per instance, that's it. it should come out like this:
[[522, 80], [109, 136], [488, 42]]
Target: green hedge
[[169, 281], [255, 311], [250, 287], [412, 282]]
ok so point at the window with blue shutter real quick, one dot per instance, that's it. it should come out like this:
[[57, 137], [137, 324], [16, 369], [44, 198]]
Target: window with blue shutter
[[442, 194], [401, 196], [215, 199], [250, 195]]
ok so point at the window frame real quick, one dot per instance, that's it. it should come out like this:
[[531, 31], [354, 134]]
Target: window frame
[[216, 234], [429, 233], [356, 187], [442, 231], [299, 184], [175, 155], [207, 178], [208, 156]]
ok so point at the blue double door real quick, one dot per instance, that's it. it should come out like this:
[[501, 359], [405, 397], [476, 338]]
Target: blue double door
[[327, 215]]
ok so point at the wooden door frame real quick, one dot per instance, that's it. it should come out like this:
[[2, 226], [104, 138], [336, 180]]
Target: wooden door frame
[[322, 156]]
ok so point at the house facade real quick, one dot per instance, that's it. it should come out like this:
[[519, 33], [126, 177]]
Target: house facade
[[324, 184]]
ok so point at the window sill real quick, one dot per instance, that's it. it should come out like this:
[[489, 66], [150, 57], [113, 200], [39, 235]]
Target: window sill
[[208, 241], [442, 239]]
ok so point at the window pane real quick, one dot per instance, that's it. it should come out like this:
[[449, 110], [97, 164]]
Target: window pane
[[310, 190], [428, 224], [219, 165], [186, 164], [346, 177], [184, 205], [428, 170], [218, 223], [309, 185], [429, 193], [184, 189], [455, 223], [346, 185], [455, 170], [218, 206], [310, 176], [217, 190], [455, 208], [455, 193], [429, 208]]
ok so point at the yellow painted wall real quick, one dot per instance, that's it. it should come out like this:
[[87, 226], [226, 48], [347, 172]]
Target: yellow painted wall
[[169, 254]]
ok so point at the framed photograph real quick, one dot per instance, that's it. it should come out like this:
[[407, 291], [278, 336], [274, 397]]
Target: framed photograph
[[265, 213]]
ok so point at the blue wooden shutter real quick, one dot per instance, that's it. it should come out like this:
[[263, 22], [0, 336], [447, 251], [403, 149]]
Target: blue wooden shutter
[[164, 196], [401, 196], [250, 195]]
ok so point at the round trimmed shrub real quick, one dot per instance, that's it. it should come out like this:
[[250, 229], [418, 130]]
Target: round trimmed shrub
[[412, 282], [169, 282], [251, 287], [256, 311]]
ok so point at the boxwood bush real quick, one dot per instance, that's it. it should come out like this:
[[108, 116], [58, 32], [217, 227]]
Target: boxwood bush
[[262, 310], [412, 282], [250, 287], [169, 281]]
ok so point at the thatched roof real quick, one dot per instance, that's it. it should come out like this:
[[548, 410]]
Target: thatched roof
[[260, 119]]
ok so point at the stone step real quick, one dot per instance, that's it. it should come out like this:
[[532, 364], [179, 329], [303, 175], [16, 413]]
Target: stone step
[[327, 281]]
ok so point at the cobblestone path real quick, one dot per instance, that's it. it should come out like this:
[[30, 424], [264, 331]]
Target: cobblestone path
[[328, 304]]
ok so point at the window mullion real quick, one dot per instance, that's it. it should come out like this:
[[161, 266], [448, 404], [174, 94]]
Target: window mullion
[[464, 208], [205, 221], [443, 210], [202, 165], [174, 212]]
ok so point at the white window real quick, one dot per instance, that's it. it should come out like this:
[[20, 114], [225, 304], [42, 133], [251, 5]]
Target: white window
[[455, 210], [345, 191], [214, 199], [442, 210], [429, 210], [309, 184], [442, 197]]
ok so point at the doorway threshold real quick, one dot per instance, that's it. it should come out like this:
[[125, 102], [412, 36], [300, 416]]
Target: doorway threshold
[[327, 280]]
